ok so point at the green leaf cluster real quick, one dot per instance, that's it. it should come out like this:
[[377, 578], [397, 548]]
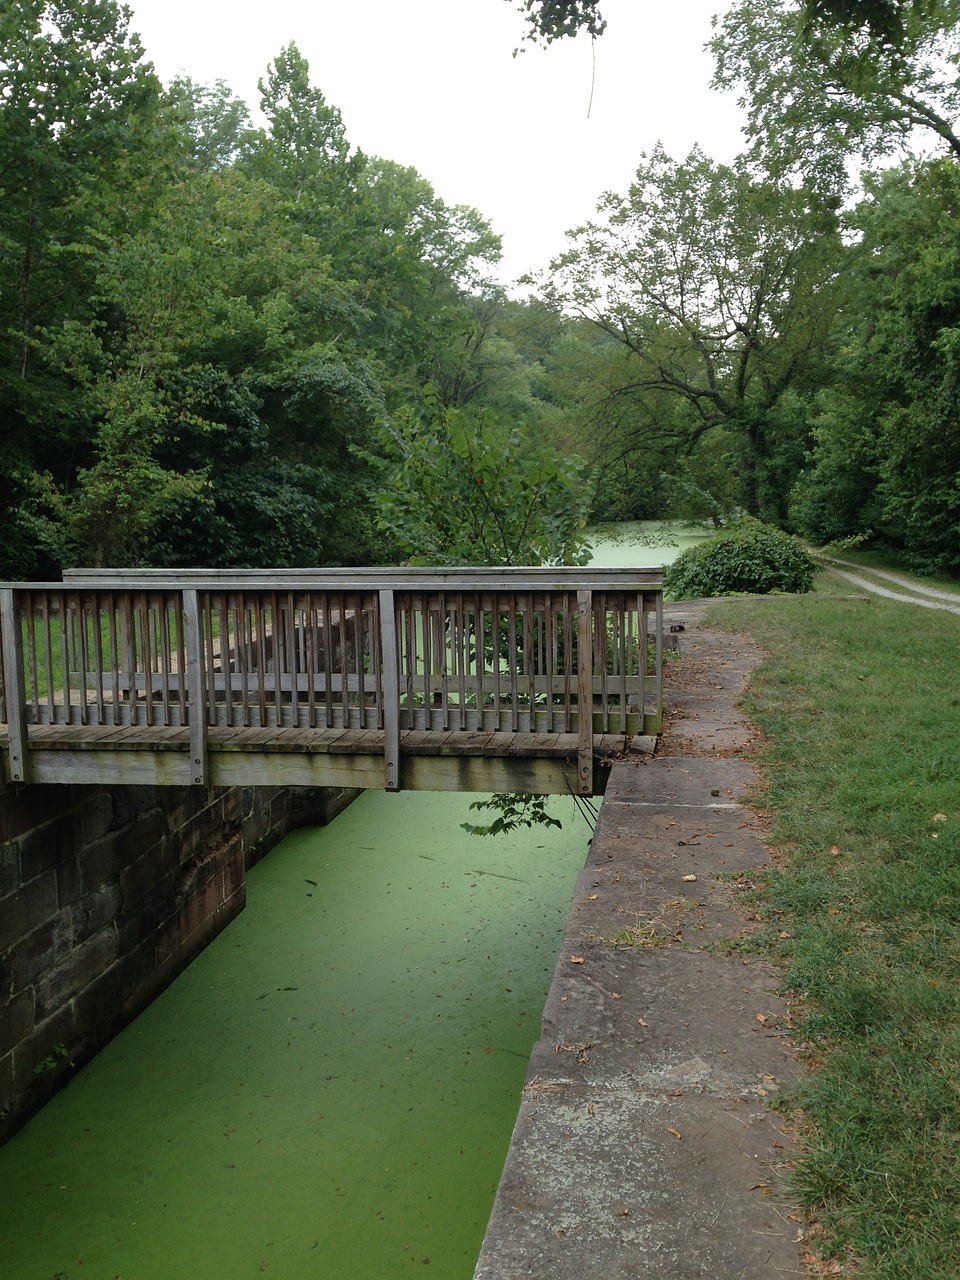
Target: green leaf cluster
[[200, 321], [749, 559], [462, 486], [514, 811]]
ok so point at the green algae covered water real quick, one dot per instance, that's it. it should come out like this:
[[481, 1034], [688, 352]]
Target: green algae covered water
[[330, 1088], [644, 544]]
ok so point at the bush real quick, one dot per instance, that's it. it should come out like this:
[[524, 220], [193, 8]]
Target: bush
[[750, 558]]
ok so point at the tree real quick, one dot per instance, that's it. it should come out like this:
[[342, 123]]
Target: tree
[[718, 285], [885, 20], [82, 153], [212, 121], [460, 487], [549, 20], [820, 92], [886, 457]]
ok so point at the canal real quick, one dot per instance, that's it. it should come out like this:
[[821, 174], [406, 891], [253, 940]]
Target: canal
[[330, 1088]]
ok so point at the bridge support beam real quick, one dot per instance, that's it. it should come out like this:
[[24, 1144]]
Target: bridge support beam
[[543, 775]]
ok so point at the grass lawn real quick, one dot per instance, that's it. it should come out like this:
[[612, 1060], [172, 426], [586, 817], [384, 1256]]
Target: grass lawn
[[860, 704]]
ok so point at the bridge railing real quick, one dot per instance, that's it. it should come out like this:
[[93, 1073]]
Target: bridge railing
[[429, 651]]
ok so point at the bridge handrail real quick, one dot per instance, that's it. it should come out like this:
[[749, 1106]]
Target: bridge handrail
[[495, 651], [411, 577]]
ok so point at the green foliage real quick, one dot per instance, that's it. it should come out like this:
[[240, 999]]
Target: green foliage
[[82, 147], [201, 320], [834, 495], [514, 811], [717, 287], [551, 20], [750, 558], [822, 89], [887, 21], [212, 122], [53, 1060], [459, 486], [885, 455]]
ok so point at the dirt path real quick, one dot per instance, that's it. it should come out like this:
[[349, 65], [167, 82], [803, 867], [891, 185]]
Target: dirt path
[[911, 591]]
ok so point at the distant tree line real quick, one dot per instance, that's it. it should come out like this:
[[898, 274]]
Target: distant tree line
[[782, 335], [208, 330], [229, 345]]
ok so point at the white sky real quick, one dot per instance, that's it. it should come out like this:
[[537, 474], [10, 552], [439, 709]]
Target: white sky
[[433, 84]]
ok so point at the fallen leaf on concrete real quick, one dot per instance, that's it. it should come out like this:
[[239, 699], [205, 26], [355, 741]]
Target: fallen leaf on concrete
[[591, 897], [642, 1023], [675, 1133], [576, 959], [614, 995], [761, 1018]]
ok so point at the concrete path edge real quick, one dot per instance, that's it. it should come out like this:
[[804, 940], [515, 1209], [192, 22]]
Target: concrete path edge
[[645, 1145]]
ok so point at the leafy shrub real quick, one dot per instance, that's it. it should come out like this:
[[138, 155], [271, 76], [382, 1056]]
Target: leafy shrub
[[750, 557]]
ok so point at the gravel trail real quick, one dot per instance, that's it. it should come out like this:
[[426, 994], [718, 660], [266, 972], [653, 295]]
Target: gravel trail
[[912, 592]]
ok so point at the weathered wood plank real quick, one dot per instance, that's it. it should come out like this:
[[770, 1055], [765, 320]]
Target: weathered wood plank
[[11, 637], [407, 578], [196, 706], [585, 627], [390, 700], [359, 742]]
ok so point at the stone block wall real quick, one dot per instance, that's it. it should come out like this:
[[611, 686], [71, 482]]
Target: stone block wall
[[105, 896]]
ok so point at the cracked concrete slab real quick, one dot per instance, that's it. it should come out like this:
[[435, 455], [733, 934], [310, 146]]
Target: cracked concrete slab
[[686, 1191]]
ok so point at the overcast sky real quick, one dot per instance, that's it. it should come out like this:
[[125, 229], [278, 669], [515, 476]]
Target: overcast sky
[[532, 141]]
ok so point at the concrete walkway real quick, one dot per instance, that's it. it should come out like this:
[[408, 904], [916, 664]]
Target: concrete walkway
[[645, 1145]]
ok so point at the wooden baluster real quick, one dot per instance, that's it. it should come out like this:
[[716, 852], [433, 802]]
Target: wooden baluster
[[165, 655], [374, 719], [196, 694], [96, 614], [293, 664], [512, 662], [585, 692], [31, 662], [358, 657], [263, 658], [464, 668], [48, 666], [391, 690], [11, 637], [65, 648], [572, 657], [529, 660]]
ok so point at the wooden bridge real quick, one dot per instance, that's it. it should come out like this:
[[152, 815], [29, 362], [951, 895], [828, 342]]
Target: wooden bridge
[[421, 679]]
